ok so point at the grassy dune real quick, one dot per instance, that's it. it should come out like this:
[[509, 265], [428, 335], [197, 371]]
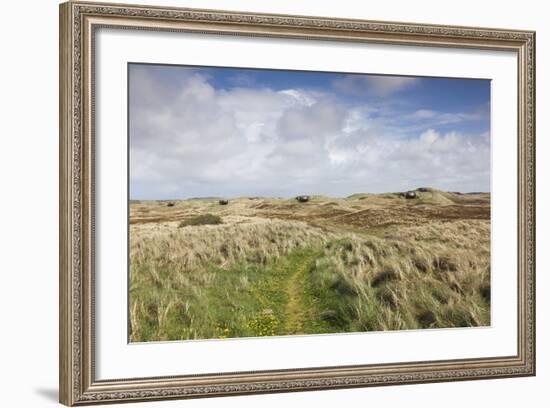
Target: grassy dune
[[263, 267]]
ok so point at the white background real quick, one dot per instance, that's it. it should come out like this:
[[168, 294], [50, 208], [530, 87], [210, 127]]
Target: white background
[[117, 359], [28, 207]]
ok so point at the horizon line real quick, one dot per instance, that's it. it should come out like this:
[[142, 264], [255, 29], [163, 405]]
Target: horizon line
[[297, 195]]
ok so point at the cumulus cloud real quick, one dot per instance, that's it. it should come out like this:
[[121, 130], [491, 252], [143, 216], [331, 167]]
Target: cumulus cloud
[[445, 118], [189, 139], [376, 85]]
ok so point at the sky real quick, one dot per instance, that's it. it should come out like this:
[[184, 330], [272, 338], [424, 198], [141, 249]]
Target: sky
[[233, 132]]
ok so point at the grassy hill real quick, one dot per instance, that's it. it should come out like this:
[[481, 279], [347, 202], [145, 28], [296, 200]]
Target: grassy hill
[[273, 266]]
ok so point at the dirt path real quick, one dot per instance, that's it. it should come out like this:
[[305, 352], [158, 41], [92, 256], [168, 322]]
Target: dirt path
[[295, 311]]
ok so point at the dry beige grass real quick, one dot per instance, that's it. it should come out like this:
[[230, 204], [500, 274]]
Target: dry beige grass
[[437, 275], [237, 239], [367, 262]]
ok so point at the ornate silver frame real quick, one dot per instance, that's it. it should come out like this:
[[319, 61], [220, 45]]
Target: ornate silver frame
[[78, 22]]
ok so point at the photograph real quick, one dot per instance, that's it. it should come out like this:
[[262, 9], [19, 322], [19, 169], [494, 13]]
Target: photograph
[[273, 200], [268, 202]]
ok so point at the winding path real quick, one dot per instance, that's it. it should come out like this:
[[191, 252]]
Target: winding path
[[295, 311]]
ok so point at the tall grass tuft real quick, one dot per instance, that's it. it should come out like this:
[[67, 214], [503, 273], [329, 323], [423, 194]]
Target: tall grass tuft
[[413, 282]]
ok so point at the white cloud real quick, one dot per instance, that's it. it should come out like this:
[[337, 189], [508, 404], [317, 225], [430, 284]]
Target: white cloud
[[301, 98], [423, 114], [446, 118], [189, 139], [429, 136]]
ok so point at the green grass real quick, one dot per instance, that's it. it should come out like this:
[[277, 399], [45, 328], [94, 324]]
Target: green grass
[[313, 289], [245, 300], [366, 286], [202, 219], [247, 275]]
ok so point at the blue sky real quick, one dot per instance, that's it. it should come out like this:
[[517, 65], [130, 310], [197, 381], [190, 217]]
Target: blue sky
[[236, 132]]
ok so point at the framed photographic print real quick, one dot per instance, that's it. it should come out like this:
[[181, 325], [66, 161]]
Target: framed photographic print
[[260, 203]]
